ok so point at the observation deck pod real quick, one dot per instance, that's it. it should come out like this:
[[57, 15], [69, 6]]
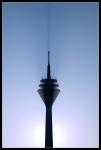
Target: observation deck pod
[[48, 91]]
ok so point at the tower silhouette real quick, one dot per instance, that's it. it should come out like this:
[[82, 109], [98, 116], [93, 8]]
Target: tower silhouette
[[48, 92]]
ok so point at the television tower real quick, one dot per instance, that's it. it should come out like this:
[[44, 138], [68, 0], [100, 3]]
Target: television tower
[[48, 92]]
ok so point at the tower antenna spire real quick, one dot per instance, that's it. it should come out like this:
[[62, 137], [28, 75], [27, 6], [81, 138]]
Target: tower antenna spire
[[48, 57], [48, 67]]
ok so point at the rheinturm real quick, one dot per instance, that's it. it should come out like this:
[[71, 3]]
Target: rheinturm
[[48, 92]]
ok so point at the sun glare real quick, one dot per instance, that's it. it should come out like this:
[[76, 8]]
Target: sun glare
[[39, 136], [59, 137]]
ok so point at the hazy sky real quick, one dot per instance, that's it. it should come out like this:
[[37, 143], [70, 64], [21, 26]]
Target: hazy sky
[[71, 32]]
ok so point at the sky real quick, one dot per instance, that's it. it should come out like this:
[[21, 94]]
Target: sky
[[70, 30]]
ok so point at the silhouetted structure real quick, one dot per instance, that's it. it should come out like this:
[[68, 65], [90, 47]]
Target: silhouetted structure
[[48, 92]]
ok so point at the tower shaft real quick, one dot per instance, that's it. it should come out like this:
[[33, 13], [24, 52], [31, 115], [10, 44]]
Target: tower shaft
[[48, 130]]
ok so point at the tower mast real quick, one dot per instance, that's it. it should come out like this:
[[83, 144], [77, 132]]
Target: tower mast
[[48, 91], [48, 67]]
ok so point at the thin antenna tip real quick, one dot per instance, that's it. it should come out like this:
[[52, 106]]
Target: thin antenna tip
[[48, 56]]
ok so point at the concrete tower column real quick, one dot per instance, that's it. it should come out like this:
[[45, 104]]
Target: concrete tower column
[[48, 130]]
